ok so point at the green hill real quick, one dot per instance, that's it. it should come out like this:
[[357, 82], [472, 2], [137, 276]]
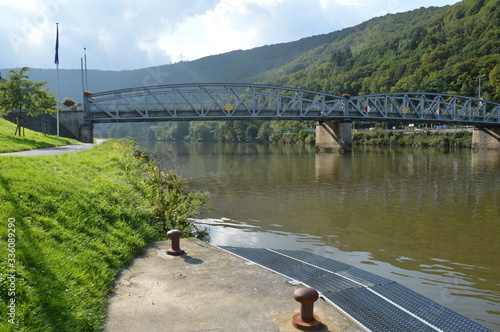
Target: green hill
[[436, 49], [441, 50]]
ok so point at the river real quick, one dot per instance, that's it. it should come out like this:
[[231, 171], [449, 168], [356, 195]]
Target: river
[[426, 218]]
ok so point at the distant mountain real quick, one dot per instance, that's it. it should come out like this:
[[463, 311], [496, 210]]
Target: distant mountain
[[436, 49], [234, 67]]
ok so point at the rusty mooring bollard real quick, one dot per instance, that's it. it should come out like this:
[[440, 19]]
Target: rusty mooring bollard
[[306, 320], [175, 235]]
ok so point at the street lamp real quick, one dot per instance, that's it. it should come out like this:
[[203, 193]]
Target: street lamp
[[479, 87]]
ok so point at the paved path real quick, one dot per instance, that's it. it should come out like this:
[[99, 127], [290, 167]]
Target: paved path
[[56, 150], [207, 289]]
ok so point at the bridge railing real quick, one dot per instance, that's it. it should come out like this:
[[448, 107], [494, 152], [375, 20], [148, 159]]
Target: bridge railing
[[246, 101], [212, 101], [426, 107]]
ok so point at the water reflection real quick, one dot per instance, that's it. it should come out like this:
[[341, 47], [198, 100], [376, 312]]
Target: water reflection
[[333, 166], [484, 161], [425, 218]]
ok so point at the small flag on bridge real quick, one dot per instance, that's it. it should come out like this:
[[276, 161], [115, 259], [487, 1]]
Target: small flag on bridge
[[56, 60]]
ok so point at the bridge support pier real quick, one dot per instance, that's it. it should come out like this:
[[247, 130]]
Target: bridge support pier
[[333, 136], [486, 138]]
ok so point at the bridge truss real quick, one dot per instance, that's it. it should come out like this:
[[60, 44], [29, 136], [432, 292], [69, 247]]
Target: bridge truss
[[187, 102]]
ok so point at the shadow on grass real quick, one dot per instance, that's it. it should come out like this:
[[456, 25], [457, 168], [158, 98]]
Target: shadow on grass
[[15, 143], [46, 301]]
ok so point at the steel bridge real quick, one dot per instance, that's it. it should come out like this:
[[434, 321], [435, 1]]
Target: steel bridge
[[333, 114], [190, 102]]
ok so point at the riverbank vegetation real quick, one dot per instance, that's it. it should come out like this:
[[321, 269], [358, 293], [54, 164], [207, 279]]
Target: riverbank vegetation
[[78, 219], [425, 138], [9, 142]]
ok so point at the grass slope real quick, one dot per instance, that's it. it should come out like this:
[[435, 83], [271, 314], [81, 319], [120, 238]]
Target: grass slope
[[78, 219], [33, 140]]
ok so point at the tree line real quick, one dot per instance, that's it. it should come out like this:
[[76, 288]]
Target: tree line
[[222, 131]]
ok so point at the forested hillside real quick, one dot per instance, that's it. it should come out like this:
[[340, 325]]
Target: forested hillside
[[441, 50]]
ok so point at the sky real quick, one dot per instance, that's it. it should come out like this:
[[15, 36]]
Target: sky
[[132, 34]]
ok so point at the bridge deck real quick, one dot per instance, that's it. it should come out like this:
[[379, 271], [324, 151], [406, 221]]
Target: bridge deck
[[376, 303]]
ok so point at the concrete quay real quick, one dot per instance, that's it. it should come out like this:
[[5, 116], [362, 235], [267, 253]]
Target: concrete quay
[[207, 289]]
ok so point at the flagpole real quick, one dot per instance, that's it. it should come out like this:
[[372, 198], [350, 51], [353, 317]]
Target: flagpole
[[57, 96], [86, 78], [56, 60]]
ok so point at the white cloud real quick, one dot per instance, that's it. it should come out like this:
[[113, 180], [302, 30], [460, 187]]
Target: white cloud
[[350, 2], [22, 4], [221, 29]]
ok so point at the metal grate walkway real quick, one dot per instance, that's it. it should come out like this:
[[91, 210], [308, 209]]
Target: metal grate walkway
[[377, 303]]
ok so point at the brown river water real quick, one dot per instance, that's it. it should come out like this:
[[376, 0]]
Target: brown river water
[[426, 218]]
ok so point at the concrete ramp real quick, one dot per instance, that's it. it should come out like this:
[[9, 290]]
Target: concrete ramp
[[207, 289]]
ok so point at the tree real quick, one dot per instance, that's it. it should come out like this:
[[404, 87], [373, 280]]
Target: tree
[[265, 131], [21, 95], [179, 131], [200, 131]]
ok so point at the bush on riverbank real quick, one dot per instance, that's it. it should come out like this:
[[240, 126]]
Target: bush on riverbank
[[422, 139], [171, 202], [78, 220]]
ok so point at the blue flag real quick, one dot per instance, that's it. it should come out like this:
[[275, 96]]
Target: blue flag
[[56, 60]]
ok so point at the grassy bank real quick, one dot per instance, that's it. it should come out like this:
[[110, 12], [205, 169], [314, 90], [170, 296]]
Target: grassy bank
[[380, 137], [78, 220], [33, 139]]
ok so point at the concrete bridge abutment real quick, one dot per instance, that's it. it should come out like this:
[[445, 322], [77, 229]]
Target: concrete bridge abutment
[[333, 136], [486, 138], [73, 124], [87, 133]]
